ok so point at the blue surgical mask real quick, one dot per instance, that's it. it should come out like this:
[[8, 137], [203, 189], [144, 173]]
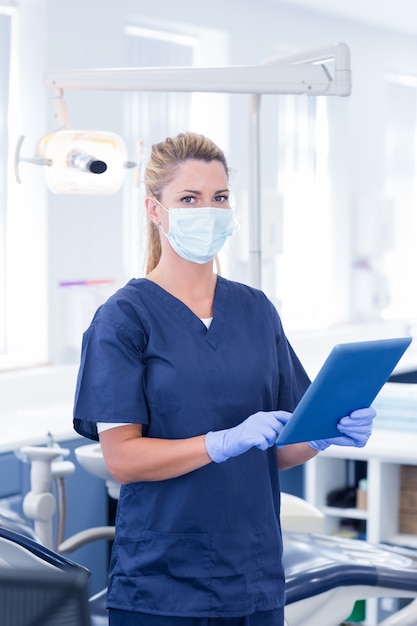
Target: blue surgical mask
[[197, 235]]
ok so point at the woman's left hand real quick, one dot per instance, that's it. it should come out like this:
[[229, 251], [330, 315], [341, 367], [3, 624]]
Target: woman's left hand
[[355, 430]]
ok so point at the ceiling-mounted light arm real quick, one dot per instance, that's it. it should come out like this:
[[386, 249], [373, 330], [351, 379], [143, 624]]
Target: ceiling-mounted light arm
[[339, 54], [60, 110], [292, 77], [267, 79]]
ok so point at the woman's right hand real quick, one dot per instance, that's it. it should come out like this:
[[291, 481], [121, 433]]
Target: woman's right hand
[[259, 430]]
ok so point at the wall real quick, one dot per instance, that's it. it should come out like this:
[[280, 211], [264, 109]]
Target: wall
[[86, 236]]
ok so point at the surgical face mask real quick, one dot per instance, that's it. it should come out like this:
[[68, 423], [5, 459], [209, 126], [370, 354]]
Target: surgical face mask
[[197, 235]]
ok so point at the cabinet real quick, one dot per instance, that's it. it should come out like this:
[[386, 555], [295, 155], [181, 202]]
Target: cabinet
[[326, 473], [384, 454]]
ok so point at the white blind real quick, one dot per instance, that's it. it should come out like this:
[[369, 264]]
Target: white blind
[[5, 60]]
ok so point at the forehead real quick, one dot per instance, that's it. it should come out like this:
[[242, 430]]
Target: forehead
[[199, 175]]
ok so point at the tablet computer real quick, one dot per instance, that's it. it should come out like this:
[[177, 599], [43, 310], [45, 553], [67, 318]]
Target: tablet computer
[[349, 379]]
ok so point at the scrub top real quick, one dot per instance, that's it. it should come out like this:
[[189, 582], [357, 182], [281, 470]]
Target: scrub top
[[207, 543]]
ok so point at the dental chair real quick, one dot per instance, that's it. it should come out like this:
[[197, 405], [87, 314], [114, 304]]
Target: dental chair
[[39, 587], [325, 575], [30, 554]]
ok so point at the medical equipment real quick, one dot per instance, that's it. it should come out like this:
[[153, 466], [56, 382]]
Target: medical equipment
[[303, 73], [36, 582], [324, 71], [40, 505], [37, 587], [324, 575]]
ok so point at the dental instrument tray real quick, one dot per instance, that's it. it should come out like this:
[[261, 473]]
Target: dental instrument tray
[[350, 379]]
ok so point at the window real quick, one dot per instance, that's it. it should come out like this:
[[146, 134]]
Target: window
[[23, 253], [5, 71], [303, 273], [398, 250]]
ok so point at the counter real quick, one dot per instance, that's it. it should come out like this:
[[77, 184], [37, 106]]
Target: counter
[[31, 427], [34, 403]]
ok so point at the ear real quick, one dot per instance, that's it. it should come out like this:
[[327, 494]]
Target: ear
[[153, 210]]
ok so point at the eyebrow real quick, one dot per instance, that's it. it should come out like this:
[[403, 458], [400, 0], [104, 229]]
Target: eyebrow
[[199, 193]]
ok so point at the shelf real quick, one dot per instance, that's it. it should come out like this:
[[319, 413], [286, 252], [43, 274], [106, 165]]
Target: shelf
[[406, 541], [384, 455], [346, 513]]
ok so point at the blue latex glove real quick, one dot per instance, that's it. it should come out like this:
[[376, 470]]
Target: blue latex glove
[[259, 430], [355, 429]]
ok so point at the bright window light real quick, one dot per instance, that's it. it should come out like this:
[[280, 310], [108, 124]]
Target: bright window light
[[399, 259], [304, 269], [6, 14], [161, 35]]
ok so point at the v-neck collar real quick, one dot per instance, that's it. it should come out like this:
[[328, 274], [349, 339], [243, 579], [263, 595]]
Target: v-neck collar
[[213, 333]]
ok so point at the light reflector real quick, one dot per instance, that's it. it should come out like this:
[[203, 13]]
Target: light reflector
[[83, 161]]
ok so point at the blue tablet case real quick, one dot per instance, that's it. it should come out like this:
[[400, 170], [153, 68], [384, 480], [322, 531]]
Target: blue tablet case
[[350, 379]]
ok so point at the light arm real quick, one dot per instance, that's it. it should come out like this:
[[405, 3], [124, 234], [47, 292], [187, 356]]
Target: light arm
[[300, 74]]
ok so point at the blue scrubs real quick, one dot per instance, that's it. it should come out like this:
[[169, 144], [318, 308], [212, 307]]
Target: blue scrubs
[[206, 544], [132, 618]]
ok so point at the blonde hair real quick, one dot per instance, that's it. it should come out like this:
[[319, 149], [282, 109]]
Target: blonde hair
[[161, 168]]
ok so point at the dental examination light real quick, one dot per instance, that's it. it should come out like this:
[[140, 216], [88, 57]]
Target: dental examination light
[[80, 161], [83, 162], [320, 72]]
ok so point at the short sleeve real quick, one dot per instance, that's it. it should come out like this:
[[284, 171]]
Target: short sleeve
[[110, 378]]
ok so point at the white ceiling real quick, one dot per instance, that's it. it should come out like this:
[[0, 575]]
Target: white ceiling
[[394, 14]]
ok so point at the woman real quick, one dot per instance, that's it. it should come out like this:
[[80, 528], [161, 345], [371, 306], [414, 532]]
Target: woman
[[189, 379]]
